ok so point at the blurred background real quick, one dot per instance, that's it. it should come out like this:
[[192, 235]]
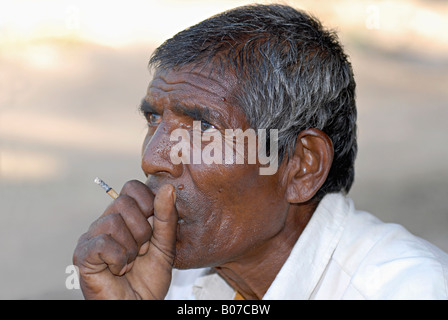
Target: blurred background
[[72, 74]]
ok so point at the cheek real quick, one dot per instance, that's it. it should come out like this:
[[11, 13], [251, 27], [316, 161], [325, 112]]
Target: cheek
[[235, 210], [240, 201], [225, 185]]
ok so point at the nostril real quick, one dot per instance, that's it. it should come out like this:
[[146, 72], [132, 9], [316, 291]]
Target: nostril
[[156, 161]]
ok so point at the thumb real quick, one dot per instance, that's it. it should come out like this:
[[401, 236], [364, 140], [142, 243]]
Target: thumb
[[150, 275], [165, 221]]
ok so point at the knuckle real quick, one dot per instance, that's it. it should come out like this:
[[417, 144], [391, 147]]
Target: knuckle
[[103, 230], [124, 203], [103, 243], [133, 218], [77, 256], [108, 224], [80, 249], [123, 199], [100, 241], [130, 186]]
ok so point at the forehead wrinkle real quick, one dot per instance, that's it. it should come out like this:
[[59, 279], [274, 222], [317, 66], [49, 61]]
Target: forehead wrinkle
[[196, 80], [212, 100]]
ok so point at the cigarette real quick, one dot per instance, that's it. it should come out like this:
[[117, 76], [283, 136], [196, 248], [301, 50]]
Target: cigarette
[[108, 189]]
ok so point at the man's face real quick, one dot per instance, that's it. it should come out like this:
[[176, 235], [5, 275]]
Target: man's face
[[227, 211]]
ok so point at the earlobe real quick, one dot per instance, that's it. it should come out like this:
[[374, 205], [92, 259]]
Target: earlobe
[[309, 166]]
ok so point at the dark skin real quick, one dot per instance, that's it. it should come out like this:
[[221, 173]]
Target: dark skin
[[200, 217]]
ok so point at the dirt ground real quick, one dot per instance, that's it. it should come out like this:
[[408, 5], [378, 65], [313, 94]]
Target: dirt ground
[[61, 128]]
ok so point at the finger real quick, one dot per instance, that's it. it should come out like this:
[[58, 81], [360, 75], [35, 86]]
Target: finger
[[165, 221], [115, 227], [99, 253], [145, 246], [141, 194], [160, 256], [145, 200], [139, 224], [133, 217]]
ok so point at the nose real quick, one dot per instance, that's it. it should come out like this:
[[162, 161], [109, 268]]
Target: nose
[[156, 154]]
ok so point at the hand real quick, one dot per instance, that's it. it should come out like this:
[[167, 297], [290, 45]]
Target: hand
[[122, 256]]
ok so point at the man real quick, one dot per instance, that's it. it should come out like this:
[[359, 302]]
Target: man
[[222, 230]]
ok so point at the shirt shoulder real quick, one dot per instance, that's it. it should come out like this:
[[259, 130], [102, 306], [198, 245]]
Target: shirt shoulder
[[384, 261]]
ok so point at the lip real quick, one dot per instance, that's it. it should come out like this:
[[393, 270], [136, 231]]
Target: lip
[[181, 217], [154, 188]]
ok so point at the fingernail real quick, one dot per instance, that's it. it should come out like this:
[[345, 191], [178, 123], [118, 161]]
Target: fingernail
[[144, 249], [123, 271], [174, 196]]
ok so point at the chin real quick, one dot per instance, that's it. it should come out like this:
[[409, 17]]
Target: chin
[[184, 264], [188, 257]]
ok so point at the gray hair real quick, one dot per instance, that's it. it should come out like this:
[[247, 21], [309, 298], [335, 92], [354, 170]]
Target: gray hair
[[292, 75]]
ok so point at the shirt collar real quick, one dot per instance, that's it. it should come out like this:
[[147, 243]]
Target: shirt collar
[[312, 252]]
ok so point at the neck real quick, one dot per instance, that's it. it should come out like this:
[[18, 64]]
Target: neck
[[253, 274]]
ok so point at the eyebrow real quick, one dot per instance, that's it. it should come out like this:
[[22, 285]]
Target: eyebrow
[[196, 112], [146, 107]]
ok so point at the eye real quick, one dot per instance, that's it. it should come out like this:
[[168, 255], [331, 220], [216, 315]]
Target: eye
[[207, 127], [153, 119]]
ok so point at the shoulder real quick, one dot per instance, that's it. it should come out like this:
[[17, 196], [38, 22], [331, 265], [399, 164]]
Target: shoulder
[[385, 261]]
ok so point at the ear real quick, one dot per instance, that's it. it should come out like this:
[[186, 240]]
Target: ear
[[309, 166]]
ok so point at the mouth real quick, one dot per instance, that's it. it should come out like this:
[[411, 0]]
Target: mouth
[[154, 189], [181, 217]]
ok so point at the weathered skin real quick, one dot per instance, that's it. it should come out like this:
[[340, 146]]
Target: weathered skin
[[226, 216]]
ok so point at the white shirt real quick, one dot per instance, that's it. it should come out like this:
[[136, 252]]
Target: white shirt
[[341, 254]]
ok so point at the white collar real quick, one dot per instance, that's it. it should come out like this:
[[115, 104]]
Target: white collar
[[311, 254], [301, 272]]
